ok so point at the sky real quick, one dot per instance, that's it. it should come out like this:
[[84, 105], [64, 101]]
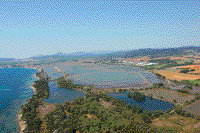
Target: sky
[[43, 27]]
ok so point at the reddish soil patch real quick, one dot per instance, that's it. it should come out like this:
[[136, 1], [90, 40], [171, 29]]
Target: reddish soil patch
[[45, 108]]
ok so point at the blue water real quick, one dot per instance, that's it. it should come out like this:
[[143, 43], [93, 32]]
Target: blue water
[[60, 95], [104, 75], [15, 88], [148, 104], [14, 91]]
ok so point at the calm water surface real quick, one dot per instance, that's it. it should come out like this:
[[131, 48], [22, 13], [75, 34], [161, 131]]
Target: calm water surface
[[15, 88], [148, 104], [60, 95], [14, 91], [105, 75]]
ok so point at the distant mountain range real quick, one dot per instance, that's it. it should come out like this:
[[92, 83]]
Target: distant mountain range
[[7, 59], [178, 51]]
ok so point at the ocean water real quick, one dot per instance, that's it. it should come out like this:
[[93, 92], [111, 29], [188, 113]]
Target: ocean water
[[15, 86], [14, 91]]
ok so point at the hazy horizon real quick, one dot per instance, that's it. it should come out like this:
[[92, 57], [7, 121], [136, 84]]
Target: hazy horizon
[[31, 28]]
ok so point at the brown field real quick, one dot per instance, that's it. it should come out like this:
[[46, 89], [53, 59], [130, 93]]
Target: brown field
[[45, 108], [175, 75], [182, 124], [168, 95], [196, 67]]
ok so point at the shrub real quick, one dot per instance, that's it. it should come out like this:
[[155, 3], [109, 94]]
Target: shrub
[[137, 96], [120, 90], [156, 114], [184, 91], [175, 100], [146, 118], [184, 71]]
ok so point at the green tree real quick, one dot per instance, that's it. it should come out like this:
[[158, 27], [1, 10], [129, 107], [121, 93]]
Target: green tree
[[136, 109], [156, 114], [120, 90], [146, 118]]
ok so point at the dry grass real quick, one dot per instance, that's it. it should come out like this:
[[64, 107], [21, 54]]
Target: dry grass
[[45, 108], [168, 95], [175, 75], [181, 76], [183, 124]]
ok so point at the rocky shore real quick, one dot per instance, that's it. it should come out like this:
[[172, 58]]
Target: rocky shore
[[22, 124]]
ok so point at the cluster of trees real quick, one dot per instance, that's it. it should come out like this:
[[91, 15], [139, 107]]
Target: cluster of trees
[[30, 114], [160, 76], [121, 118], [137, 96], [180, 111], [157, 85], [68, 84], [118, 118], [42, 88], [176, 64], [192, 101], [186, 70], [30, 111], [191, 82], [184, 91], [122, 90], [53, 119]]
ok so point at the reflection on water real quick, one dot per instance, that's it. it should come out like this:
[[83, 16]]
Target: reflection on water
[[148, 104], [60, 95], [109, 75]]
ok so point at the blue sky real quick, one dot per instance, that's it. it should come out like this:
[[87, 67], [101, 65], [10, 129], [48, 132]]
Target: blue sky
[[29, 28]]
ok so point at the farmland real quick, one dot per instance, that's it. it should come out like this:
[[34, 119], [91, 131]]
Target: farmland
[[174, 73], [168, 95]]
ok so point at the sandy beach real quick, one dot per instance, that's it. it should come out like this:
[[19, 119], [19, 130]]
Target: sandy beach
[[36, 77]]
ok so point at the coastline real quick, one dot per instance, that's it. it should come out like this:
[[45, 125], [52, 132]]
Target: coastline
[[36, 77], [22, 124]]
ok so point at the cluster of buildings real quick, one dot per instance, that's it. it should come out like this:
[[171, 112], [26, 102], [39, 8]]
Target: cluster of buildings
[[138, 63]]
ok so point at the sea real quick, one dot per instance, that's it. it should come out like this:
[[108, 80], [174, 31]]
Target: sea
[[15, 87], [14, 91]]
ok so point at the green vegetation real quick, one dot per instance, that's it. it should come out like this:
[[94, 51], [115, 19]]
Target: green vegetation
[[93, 113], [42, 88], [30, 114], [30, 111], [166, 63], [160, 76], [52, 120], [191, 82], [183, 91], [67, 84], [186, 70], [118, 118], [137, 96], [192, 101], [179, 110]]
